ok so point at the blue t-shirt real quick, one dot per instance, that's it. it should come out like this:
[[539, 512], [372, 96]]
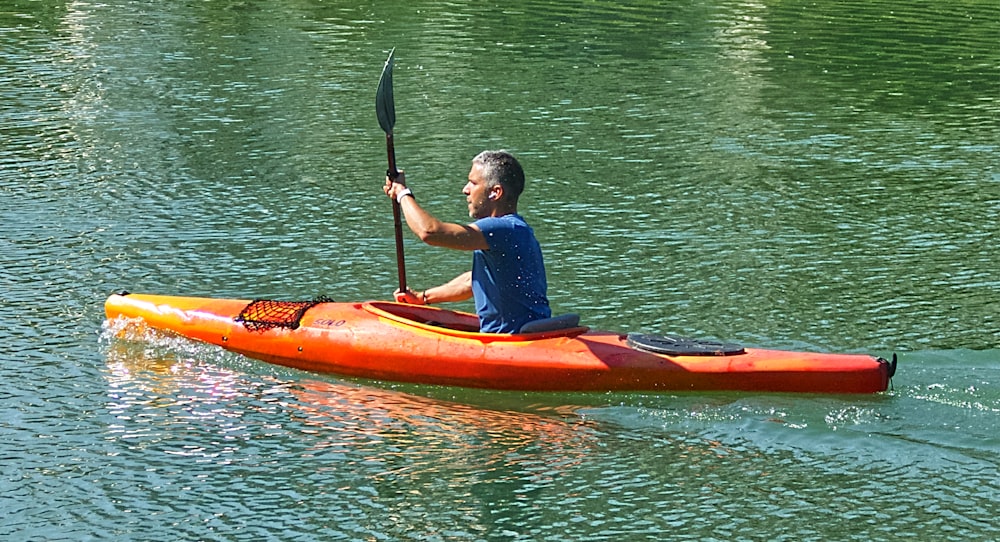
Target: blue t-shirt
[[508, 280]]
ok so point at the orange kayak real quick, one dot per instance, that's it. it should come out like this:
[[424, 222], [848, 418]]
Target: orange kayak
[[429, 345]]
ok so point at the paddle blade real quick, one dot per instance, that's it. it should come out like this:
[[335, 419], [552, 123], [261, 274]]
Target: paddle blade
[[385, 107]]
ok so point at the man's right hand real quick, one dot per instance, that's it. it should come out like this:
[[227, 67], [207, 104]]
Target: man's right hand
[[394, 186]]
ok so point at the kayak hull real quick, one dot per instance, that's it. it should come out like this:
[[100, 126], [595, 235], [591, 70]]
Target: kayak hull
[[428, 345]]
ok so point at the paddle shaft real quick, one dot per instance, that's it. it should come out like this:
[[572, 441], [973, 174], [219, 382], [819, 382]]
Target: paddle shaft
[[397, 214]]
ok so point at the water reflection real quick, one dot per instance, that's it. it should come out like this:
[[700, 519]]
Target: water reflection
[[402, 440]]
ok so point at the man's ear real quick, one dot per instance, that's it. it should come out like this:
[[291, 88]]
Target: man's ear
[[496, 192]]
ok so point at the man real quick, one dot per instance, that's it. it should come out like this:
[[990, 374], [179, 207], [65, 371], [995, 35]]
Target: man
[[508, 275]]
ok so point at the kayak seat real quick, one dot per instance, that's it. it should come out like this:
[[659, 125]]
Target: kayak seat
[[563, 321]]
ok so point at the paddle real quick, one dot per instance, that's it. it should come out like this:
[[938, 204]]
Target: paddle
[[385, 109]]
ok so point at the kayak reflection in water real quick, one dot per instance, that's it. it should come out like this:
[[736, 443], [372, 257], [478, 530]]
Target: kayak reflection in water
[[508, 274]]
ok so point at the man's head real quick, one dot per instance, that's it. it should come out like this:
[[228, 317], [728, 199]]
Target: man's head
[[501, 168], [495, 183]]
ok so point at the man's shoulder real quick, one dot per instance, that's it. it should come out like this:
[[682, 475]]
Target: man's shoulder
[[505, 221]]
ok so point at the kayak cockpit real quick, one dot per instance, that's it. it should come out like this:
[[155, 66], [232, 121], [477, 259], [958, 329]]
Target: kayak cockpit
[[459, 324]]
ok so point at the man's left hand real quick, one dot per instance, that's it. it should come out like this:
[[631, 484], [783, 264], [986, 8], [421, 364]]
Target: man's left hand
[[410, 297]]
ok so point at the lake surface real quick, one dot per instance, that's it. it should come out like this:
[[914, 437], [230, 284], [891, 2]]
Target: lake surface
[[816, 176]]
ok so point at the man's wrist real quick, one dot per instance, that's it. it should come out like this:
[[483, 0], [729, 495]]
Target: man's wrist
[[405, 192]]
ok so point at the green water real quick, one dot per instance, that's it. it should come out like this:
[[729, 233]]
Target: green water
[[819, 176]]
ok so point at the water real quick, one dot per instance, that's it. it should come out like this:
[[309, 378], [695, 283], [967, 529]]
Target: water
[[810, 176]]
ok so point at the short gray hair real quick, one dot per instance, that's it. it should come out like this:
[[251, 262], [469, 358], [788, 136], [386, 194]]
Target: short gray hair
[[500, 167]]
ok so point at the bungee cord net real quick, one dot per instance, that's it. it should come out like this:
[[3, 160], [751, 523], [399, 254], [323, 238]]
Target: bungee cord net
[[264, 314]]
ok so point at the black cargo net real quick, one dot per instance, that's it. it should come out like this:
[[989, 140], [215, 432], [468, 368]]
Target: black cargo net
[[265, 314]]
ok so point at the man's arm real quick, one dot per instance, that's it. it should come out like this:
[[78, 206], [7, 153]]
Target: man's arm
[[428, 228], [457, 289]]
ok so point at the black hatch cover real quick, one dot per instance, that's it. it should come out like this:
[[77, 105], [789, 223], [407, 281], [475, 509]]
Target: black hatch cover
[[681, 346]]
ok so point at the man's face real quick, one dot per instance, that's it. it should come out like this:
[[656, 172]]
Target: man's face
[[477, 195]]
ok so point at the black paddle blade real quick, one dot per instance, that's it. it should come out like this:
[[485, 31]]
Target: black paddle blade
[[385, 108]]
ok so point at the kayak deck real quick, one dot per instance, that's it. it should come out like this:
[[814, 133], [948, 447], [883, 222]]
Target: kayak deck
[[429, 345]]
